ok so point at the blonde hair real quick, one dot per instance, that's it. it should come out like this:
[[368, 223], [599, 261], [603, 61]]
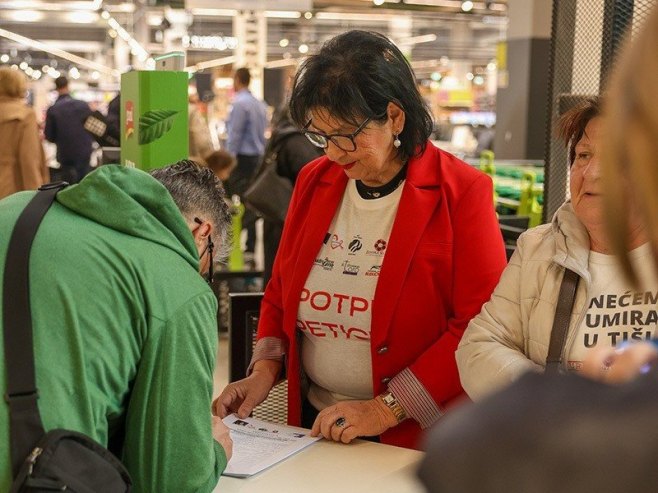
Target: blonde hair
[[13, 83], [630, 144]]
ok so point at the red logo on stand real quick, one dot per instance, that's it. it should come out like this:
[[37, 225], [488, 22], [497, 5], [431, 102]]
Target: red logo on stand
[[130, 119]]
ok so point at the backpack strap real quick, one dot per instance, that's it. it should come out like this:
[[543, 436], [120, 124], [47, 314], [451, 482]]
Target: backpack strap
[[26, 427], [561, 321]]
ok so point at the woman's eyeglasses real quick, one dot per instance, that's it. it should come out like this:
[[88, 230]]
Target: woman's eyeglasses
[[209, 248], [344, 142]]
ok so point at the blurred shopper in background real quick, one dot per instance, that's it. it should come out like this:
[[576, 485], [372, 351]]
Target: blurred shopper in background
[[512, 333], [566, 433], [293, 151], [390, 247], [222, 163], [64, 127], [141, 351], [200, 139], [246, 126], [22, 161]]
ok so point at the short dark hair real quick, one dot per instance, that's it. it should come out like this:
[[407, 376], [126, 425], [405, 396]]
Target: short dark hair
[[198, 193], [220, 160], [354, 76], [243, 75], [61, 82], [571, 126]]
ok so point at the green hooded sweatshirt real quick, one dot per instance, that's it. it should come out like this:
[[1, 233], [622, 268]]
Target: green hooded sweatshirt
[[124, 328]]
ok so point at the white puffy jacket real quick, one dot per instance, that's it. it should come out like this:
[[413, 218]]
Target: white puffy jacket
[[512, 332]]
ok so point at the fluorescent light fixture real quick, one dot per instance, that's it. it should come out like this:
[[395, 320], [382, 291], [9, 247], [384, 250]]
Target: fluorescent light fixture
[[344, 16], [215, 12], [282, 14], [38, 45], [82, 17], [26, 16], [135, 48], [425, 38], [65, 6], [217, 62], [284, 62]]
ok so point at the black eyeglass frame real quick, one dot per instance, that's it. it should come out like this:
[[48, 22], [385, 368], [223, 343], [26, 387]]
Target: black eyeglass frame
[[209, 248], [330, 137]]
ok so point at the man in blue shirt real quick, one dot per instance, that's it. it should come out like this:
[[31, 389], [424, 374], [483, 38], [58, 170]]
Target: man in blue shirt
[[64, 127], [246, 141]]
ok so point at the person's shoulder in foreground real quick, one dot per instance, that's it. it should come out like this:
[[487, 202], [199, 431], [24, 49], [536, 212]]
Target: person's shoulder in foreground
[[548, 433]]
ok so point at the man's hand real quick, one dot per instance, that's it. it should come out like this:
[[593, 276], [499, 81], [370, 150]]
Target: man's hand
[[243, 396], [619, 365], [348, 420], [221, 434]]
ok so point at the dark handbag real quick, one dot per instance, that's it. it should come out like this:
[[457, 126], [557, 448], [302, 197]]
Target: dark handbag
[[60, 460], [96, 124], [269, 193], [563, 310]]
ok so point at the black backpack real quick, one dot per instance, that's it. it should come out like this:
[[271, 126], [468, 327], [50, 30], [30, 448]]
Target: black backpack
[[59, 460]]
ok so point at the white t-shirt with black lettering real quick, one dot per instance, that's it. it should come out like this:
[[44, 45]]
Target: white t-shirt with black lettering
[[615, 312], [336, 304]]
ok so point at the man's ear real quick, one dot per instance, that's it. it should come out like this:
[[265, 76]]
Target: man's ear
[[202, 232]]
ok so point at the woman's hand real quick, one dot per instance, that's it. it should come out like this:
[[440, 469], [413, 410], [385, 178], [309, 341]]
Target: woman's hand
[[243, 396], [348, 420], [619, 365]]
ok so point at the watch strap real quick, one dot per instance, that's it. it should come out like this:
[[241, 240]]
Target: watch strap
[[389, 399]]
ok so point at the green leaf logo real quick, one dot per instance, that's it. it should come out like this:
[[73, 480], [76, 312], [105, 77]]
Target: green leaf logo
[[154, 124]]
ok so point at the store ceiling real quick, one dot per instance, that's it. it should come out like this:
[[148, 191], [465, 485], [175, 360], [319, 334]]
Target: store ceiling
[[76, 26]]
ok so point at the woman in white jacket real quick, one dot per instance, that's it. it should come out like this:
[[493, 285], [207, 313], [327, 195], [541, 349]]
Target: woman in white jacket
[[512, 332]]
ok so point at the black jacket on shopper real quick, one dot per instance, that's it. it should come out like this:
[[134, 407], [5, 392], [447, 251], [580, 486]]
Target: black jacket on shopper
[[294, 152]]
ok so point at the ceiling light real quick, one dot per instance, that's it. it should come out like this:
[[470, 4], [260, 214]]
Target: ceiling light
[[308, 15], [283, 43], [4, 58], [25, 16], [282, 14], [378, 2], [467, 6], [23, 65], [469, 76], [285, 62], [38, 45], [425, 38], [217, 62], [303, 48], [82, 17]]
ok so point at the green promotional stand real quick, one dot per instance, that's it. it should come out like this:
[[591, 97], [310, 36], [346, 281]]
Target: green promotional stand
[[154, 120]]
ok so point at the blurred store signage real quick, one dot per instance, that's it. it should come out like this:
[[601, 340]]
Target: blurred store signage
[[302, 5], [220, 43]]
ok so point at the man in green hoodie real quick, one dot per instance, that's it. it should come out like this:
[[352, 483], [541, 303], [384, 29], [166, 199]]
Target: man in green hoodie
[[124, 326]]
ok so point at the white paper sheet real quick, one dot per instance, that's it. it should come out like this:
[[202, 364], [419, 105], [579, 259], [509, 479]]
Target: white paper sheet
[[258, 444]]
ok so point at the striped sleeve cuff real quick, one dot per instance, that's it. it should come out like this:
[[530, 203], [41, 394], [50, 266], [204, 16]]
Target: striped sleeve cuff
[[266, 348], [414, 398]]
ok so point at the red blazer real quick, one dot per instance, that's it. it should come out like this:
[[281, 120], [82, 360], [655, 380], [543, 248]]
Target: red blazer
[[443, 260]]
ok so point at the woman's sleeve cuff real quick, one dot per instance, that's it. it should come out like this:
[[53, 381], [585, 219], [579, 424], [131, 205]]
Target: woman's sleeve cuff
[[415, 399], [267, 348]]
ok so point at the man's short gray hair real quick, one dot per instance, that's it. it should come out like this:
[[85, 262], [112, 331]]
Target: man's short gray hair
[[198, 193]]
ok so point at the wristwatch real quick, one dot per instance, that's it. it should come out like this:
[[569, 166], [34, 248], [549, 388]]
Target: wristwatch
[[392, 403]]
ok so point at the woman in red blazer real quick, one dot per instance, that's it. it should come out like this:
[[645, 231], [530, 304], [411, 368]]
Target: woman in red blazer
[[389, 248]]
